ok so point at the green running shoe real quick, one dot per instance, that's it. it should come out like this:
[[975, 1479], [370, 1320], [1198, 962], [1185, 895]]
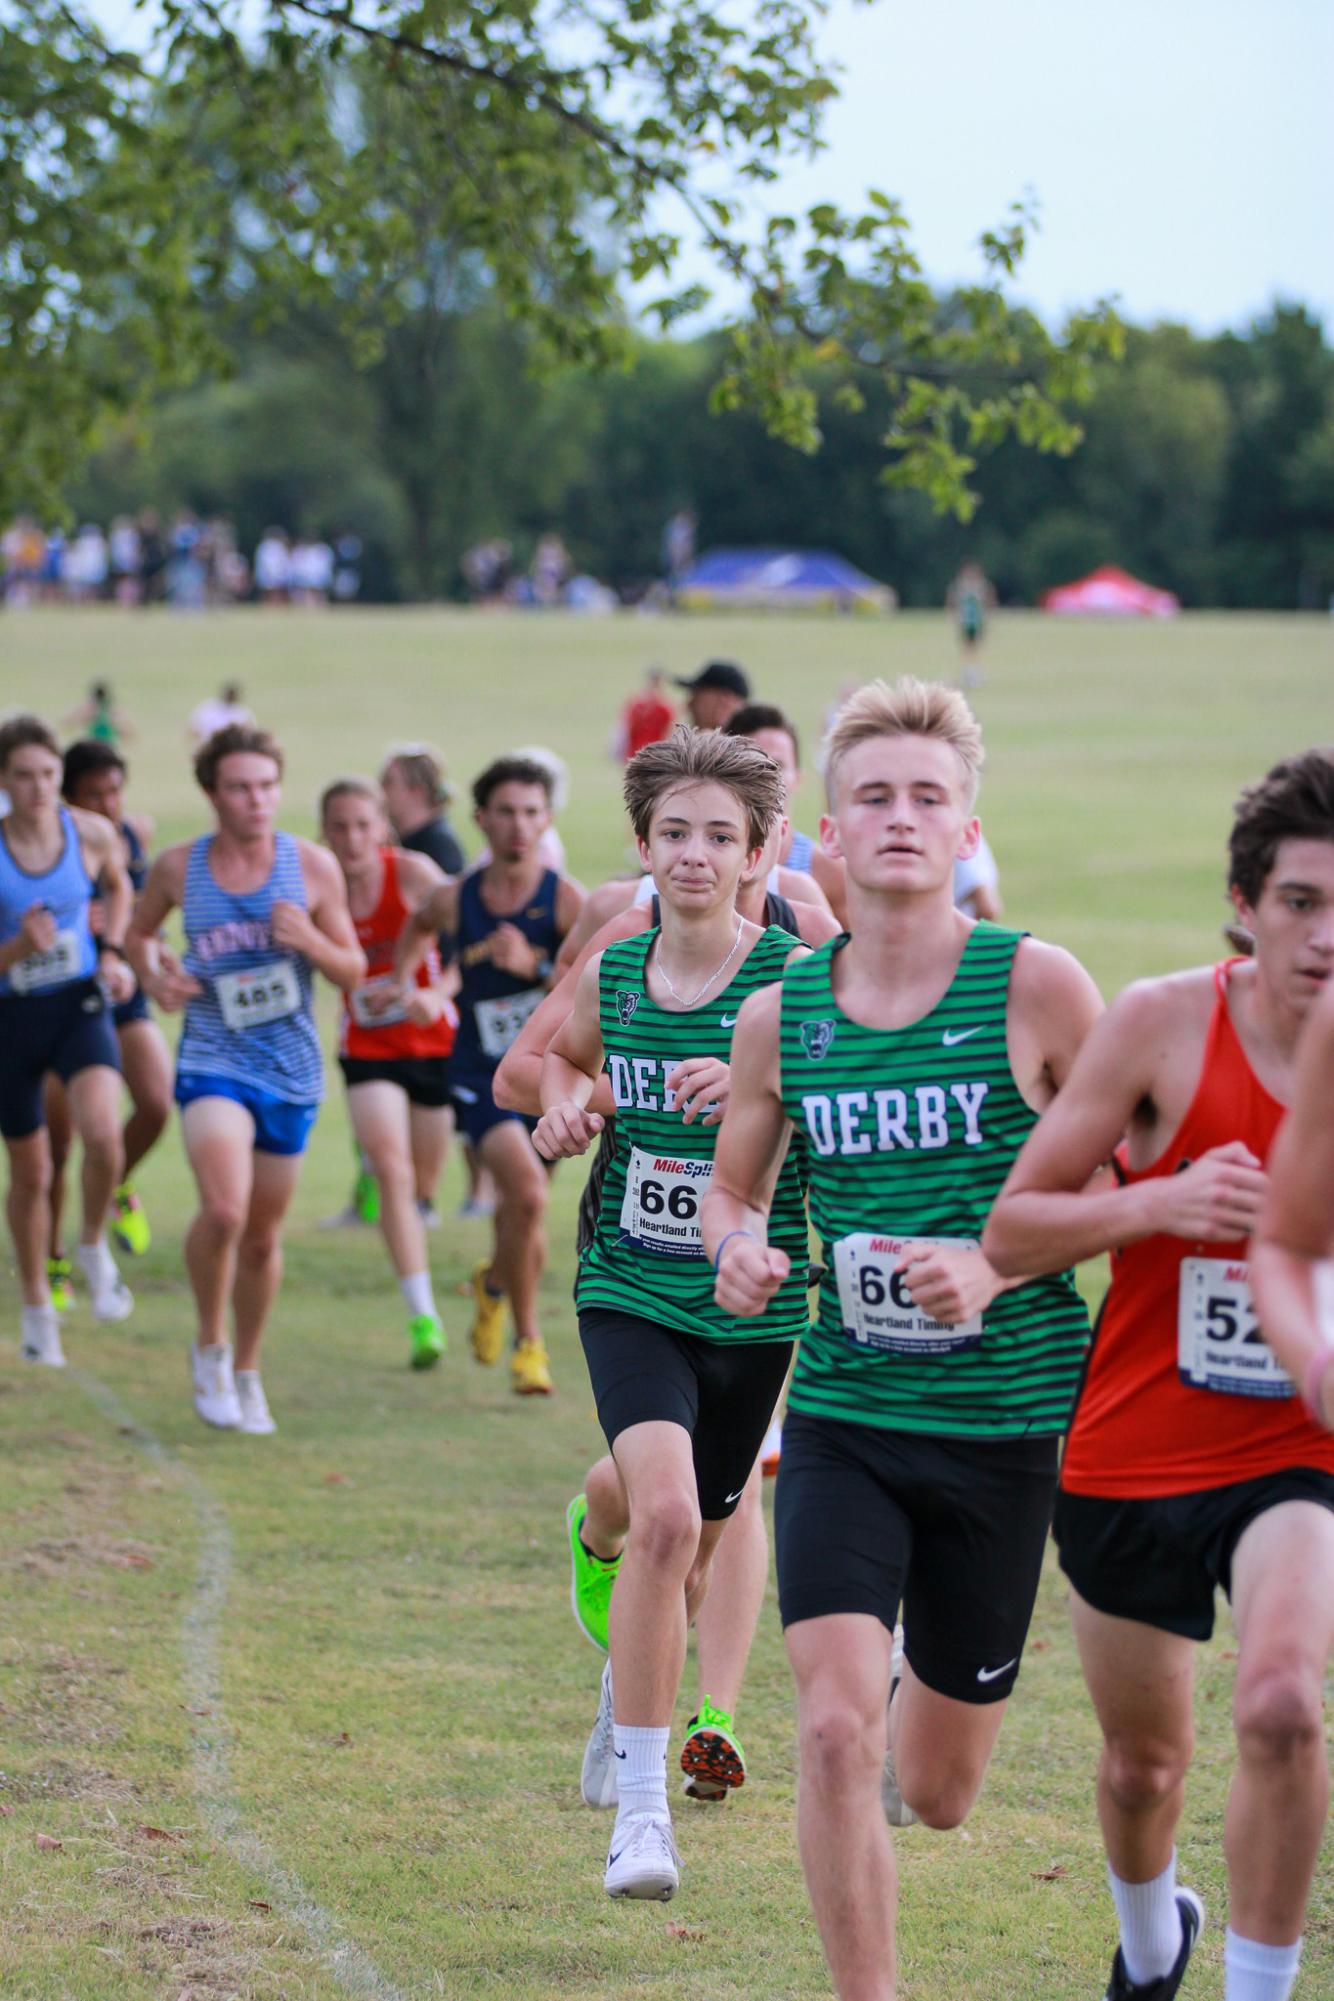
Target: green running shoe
[[591, 1580], [59, 1274], [129, 1224], [428, 1340], [366, 1197], [711, 1757]]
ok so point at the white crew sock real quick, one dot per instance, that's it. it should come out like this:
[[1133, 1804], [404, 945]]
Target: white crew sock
[[417, 1294], [1150, 1924], [1255, 1972], [641, 1770], [34, 1320], [98, 1265]]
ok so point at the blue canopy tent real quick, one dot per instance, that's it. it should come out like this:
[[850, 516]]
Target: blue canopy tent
[[779, 580]]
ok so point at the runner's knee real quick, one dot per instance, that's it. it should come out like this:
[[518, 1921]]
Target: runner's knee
[[1142, 1772], [1278, 1714], [841, 1743], [666, 1530], [525, 1201], [223, 1215], [31, 1173]]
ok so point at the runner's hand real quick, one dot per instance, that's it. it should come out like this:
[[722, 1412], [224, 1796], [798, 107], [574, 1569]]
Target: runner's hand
[[97, 917], [700, 1085], [1216, 1199], [171, 986], [950, 1282], [566, 1130], [749, 1274], [290, 927], [38, 929], [422, 1005], [116, 978], [512, 952]]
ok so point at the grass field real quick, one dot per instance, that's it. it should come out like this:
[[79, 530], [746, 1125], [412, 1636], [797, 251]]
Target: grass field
[[305, 1715]]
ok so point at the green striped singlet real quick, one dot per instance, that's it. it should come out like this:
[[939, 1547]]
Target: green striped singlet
[[646, 1257], [910, 1133]]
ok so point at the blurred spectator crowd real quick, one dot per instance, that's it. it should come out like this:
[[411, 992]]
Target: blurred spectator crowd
[[187, 563]]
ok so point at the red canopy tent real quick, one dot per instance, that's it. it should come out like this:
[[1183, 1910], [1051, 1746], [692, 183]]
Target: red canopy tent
[[1111, 593]]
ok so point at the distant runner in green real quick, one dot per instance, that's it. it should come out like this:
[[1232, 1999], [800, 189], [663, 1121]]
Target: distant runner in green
[[920, 1444], [684, 1390]]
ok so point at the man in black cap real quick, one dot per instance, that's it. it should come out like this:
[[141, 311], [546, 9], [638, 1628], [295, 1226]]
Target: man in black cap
[[716, 692]]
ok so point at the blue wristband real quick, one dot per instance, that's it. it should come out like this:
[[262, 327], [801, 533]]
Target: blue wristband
[[718, 1255]]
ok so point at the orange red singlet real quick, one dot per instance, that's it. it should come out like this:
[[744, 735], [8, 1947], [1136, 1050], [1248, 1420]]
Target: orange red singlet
[[388, 1036], [1143, 1428]]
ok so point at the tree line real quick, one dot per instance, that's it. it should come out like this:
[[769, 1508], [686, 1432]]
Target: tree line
[[1207, 464]]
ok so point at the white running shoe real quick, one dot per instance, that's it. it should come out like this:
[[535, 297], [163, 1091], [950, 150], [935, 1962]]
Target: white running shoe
[[215, 1389], [597, 1782], [897, 1812], [108, 1294], [256, 1417], [41, 1336], [643, 1860], [429, 1214]]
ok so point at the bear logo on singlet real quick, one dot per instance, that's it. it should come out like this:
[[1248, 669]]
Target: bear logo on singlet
[[625, 1006], [816, 1039]]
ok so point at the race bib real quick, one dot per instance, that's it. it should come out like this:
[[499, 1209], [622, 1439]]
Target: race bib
[[662, 1203], [499, 1022], [41, 970], [877, 1303], [1219, 1343], [250, 1000], [364, 1015]]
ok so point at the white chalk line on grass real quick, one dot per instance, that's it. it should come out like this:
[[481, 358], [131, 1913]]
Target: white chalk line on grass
[[353, 1969]]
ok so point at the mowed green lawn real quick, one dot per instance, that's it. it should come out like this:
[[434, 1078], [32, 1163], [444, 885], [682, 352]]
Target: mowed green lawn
[[305, 1714]]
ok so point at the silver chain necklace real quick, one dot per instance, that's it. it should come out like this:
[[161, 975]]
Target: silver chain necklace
[[665, 977]]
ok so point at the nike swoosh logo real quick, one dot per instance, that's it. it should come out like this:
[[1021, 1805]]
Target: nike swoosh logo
[[994, 1674], [620, 1754], [734, 1497], [614, 1858], [953, 1035], [727, 1021]]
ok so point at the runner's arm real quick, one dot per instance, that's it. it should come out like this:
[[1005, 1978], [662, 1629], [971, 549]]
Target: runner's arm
[[570, 1070], [599, 907], [418, 878], [517, 1084], [103, 848], [323, 933], [571, 896], [815, 926], [157, 969], [437, 916], [1048, 1215], [752, 1145], [1292, 1257]]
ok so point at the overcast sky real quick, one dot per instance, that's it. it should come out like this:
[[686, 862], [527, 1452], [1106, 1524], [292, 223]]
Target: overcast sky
[[1182, 151]]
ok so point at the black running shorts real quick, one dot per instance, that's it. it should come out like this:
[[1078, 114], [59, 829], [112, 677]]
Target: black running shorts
[[952, 1529], [424, 1078], [67, 1030], [1162, 1561], [722, 1392]]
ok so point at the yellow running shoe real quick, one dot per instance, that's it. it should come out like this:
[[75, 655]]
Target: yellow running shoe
[[487, 1333], [530, 1371], [129, 1225], [59, 1276]]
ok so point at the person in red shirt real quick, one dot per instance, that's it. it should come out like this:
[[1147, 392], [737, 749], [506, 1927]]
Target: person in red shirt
[[1192, 1461], [394, 1041], [647, 717]]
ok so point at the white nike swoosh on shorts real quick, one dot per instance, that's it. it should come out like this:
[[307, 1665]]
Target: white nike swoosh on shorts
[[994, 1674]]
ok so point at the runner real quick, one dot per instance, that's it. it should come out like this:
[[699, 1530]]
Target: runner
[[415, 798], [598, 1519], [919, 1448], [56, 980], [714, 694], [263, 911], [504, 923], [776, 734], [393, 1046], [1191, 1462], [683, 1392], [93, 781]]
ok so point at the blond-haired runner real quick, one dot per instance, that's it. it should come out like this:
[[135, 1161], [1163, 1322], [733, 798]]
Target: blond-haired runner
[[394, 1041], [263, 912], [919, 1448], [1191, 1462], [684, 1393]]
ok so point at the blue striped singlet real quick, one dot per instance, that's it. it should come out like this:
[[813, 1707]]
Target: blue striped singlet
[[65, 889], [254, 1021], [799, 855]]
